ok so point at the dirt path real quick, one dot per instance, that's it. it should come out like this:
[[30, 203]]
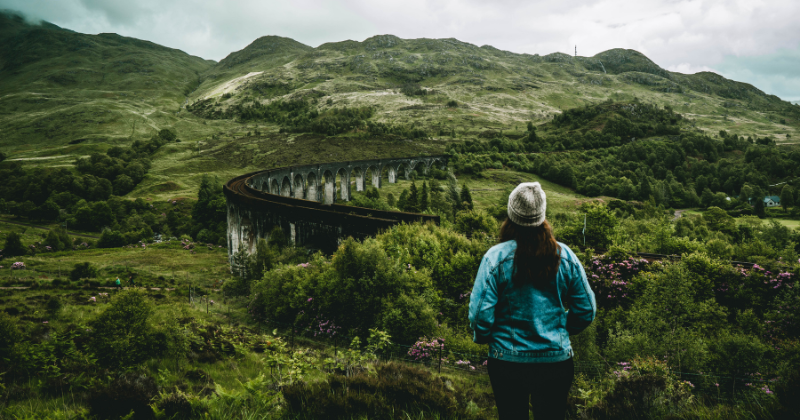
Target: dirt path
[[46, 228]]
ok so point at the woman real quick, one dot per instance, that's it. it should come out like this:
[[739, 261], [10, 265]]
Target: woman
[[530, 295]]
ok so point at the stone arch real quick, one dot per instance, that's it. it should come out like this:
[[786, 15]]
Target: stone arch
[[329, 188], [374, 175], [286, 187], [357, 174], [274, 188], [343, 179], [402, 170], [299, 186], [312, 187], [392, 174]]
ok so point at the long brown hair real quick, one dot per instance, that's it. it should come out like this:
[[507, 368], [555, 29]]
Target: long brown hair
[[537, 256]]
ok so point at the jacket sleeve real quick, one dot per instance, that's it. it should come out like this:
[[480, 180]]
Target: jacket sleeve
[[582, 305], [482, 301]]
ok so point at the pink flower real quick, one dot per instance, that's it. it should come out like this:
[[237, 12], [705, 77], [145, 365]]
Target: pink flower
[[310, 299], [45, 322]]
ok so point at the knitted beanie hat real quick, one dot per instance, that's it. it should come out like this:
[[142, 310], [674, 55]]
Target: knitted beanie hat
[[527, 204]]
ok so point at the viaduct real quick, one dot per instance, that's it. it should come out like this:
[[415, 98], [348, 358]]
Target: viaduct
[[302, 201]]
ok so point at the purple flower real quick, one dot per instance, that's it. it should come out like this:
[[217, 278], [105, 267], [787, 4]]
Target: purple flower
[[310, 299]]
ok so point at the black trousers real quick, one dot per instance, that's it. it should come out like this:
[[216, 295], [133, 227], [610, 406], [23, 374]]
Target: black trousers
[[545, 385]]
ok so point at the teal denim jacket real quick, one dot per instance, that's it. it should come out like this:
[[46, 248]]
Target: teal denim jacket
[[522, 323]]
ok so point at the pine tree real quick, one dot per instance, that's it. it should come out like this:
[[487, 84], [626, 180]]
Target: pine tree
[[403, 200], [452, 193], [423, 198], [787, 197], [759, 207], [466, 197], [412, 201], [13, 246]]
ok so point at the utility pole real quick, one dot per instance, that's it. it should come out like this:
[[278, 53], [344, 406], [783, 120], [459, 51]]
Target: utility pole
[[576, 50]]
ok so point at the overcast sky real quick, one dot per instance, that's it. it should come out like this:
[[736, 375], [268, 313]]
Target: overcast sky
[[755, 41]]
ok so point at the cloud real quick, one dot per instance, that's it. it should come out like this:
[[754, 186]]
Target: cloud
[[681, 35]]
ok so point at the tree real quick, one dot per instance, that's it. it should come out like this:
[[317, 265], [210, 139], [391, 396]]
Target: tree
[[13, 246], [123, 184], [452, 192], [707, 199], [466, 197], [759, 207], [123, 335], [210, 209], [423, 198], [83, 271], [111, 239], [412, 201], [167, 135], [787, 197], [49, 210], [746, 193], [401, 202]]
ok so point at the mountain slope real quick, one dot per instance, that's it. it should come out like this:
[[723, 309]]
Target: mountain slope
[[58, 86], [495, 88]]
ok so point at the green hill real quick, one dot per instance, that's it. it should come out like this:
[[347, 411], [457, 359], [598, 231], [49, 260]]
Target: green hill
[[493, 88], [59, 86]]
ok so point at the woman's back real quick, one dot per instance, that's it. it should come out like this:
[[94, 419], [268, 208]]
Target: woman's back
[[526, 321]]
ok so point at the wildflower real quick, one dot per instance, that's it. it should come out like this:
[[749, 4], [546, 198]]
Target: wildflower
[[211, 302], [93, 299], [45, 322], [310, 299]]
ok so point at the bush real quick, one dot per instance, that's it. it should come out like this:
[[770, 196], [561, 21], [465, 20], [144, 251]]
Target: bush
[[475, 222], [123, 335], [394, 393], [176, 406], [9, 336], [407, 318], [83, 271], [111, 239], [53, 305], [13, 246], [129, 392]]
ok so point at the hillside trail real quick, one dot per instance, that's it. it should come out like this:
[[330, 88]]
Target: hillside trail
[[47, 228]]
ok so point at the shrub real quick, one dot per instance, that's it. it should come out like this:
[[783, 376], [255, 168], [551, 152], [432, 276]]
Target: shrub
[[13, 246], [53, 305], [476, 222], [111, 239], [394, 393], [176, 406], [123, 336], [9, 336], [407, 318], [129, 392], [83, 271]]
